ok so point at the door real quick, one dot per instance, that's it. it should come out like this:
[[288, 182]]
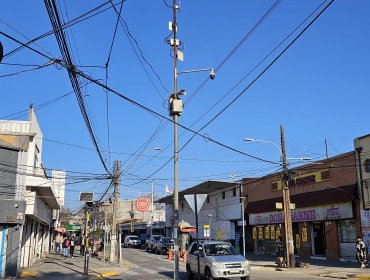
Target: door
[[3, 244], [318, 230]]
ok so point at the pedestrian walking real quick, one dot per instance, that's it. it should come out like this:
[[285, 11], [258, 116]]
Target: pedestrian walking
[[58, 239], [72, 246], [82, 246], [361, 252], [65, 245]]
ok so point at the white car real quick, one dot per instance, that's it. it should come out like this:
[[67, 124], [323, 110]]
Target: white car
[[132, 241], [217, 259]]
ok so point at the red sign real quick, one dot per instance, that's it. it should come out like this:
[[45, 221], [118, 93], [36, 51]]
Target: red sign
[[142, 204]]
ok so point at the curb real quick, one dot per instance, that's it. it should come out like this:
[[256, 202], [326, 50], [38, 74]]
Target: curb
[[361, 276], [28, 274], [106, 274]]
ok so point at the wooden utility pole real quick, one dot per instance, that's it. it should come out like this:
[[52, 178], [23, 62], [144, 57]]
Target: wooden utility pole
[[116, 182], [289, 246]]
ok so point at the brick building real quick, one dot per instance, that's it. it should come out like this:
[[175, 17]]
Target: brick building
[[326, 216]]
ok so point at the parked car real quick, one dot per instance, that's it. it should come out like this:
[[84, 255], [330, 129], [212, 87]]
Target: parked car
[[144, 237], [132, 241], [217, 259], [163, 245], [150, 244]]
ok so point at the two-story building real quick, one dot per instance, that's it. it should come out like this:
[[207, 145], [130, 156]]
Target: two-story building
[[325, 212], [221, 211], [362, 152], [28, 196]]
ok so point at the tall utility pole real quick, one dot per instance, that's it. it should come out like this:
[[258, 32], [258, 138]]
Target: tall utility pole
[[175, 115], [116, 182], [289, 246]]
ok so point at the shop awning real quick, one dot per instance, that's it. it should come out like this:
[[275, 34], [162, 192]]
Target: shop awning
[[60, 229], [186, 227]]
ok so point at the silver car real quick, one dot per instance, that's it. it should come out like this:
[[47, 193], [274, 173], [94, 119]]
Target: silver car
[[217, 259]]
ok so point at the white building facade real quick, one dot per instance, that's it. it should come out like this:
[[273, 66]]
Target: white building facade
[[221, 211], [34, 187]]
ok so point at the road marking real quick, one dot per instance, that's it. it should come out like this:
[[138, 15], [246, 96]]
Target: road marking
[[108, 273], [131, 272], [29, 274], [150, 271]]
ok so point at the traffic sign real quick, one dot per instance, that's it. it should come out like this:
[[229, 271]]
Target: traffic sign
[[190, 198], [142, 204]]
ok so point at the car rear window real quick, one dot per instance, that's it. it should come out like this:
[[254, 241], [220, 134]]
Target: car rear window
[[134, 238]]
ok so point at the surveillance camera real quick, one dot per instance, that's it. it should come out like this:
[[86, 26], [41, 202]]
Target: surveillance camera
[[212, 75]]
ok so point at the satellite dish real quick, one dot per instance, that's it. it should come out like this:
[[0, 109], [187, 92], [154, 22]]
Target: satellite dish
[[1, 52]]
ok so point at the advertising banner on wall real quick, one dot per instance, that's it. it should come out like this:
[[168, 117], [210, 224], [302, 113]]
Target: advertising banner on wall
[[316, 213]]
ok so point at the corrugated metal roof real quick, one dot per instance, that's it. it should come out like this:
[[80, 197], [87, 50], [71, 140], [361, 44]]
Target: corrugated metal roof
[[205, 187]]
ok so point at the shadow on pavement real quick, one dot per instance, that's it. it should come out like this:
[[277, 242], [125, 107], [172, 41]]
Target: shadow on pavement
[[169, 274]]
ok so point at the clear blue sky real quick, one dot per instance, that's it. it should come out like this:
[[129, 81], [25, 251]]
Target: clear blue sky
[[319, 89]]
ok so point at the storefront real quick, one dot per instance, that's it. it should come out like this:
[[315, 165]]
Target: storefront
[[325, 231]]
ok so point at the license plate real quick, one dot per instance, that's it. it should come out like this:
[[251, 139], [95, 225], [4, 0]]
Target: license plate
[[234, 270]]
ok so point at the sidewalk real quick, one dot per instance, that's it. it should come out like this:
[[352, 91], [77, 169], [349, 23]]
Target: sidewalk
[[316, 267], [59, 267]]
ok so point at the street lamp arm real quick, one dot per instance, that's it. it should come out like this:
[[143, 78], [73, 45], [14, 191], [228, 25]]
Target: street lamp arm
[[196, 70], [265, 141]]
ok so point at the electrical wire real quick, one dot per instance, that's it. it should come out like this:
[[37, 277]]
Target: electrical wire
[[76, 20], [61, 39], [132, 38]]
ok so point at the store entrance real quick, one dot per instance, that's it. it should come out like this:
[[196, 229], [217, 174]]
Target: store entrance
[[318, 230]]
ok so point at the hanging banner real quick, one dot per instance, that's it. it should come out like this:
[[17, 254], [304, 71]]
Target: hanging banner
[[304, 235], [272, 232], [267, 232], [260, 233], [254, 233]]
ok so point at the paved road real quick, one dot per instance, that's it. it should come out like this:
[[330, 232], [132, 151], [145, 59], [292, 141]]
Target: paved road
[[153, 267], [149, 266]]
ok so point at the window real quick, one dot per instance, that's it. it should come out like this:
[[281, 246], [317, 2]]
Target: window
[[367, 165], [223, 195], [234, 192]]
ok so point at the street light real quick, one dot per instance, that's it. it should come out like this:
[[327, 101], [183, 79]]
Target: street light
[[289, 247], [175, 110]]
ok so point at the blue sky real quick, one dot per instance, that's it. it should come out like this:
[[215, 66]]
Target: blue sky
[[317, 90]]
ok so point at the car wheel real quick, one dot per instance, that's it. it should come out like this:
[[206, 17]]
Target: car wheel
[[189, 274], [244, 278], [146, 248], [156, 250], [208, 274]]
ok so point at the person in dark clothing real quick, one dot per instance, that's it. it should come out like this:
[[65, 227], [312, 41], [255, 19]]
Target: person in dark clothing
[[72, 246], [82, 246], [361, 252]]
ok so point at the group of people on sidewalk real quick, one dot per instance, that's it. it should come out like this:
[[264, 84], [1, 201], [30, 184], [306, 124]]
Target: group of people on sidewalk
[[68, 244]]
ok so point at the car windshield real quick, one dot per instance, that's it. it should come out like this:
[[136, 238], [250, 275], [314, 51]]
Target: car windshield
[[167, 240], [220, 250], [134, 238], [156, 237]]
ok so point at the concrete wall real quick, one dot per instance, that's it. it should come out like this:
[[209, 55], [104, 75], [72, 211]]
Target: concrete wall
[[362, 149]]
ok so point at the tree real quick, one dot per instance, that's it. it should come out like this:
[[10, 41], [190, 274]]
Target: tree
[[220, 234]]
